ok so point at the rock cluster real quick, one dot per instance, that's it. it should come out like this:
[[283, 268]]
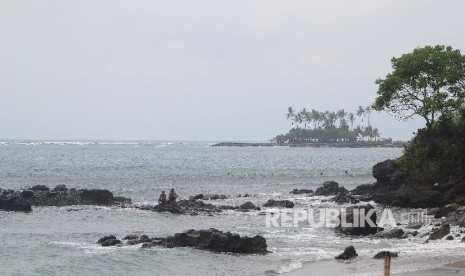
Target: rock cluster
[[40, 195], [209, 239]]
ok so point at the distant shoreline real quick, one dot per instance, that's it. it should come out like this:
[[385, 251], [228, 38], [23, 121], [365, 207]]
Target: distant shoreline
[[316, 145]]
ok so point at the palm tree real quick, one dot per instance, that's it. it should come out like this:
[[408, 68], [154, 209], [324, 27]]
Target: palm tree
[[376, 133], [316, 117], [368, 111], [341, 114], [351, 119], [290, 115], [303, 117], [361, 113]]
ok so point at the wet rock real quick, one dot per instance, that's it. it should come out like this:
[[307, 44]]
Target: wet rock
[[329, 188], [40, 188], [190, 206], [199, 196], [363, 228], [15, 205], [60, 188], [440, 233], [449, 238], [344, 197], [301, 191], [215, 197], [395, 233], [349, 253], [41, 195], [463, 239], [417, 225], [108, 240], [210, 239], [383, 254], [248, 206], [279, 203]]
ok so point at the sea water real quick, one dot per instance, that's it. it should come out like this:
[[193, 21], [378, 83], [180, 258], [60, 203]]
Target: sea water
[[62, 240]]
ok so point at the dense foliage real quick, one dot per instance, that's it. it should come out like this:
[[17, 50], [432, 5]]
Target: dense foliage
[[328, 127], [437, 153], [427, 82]]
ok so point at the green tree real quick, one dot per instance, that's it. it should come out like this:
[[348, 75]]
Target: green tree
[[428, 82]]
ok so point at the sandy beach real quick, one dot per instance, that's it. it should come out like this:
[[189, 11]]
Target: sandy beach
[[373, 267]]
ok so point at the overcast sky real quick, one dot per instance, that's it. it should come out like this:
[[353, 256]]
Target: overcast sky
[[203, 70]]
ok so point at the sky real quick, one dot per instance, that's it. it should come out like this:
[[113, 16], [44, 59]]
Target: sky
[[203, 70]]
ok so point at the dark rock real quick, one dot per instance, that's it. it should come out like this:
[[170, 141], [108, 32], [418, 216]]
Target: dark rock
[[444, 211], [279, 203], [301, 191], [440, 233], [363, 190], [96, 196], [27, 194], [211, 239], [246, 195], [131, 237], [396, 233], [344, 197], [387, 170], [184, 207], [383, 254], [106, 238], [40, 188], [110, 242], [415, 225], [450, 238], [60, 188], [329, 188], [363, 228], [14, 204], [463, 239], [248, 206], [199, 196], [349, 253]]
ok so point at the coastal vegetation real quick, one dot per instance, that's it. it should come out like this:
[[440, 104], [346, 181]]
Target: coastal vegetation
[[429, 82], [313, 126]]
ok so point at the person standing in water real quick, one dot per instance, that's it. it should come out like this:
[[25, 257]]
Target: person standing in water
[[162, 199], [172, 196]]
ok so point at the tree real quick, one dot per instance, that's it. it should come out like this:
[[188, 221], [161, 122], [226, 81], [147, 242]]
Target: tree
[[428, 82], [290, 115]]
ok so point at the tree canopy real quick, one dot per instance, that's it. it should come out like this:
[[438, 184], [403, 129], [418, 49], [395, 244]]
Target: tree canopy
[[428, 82]]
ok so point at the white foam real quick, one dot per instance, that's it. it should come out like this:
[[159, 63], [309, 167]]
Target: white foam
[[290, 267]]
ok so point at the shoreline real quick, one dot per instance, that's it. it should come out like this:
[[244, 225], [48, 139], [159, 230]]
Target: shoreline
[[372, 267], [313, 145]]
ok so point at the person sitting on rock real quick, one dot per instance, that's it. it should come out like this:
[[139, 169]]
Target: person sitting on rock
[[162, 199], [172, 196]]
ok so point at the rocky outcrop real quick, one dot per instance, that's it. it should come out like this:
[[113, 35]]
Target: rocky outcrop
[[41, 195], [344, 197], [361, 227], [329, 188], [440, 233], [279, 203], [349, 253], [301, 191], [383, 254], [396, 187], [14, 204], [210, 239], [395, 233], [195, 207]]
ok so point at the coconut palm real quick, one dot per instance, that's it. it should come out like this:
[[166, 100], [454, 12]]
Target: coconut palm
[[368, 111], [290, 115], [351, 119]]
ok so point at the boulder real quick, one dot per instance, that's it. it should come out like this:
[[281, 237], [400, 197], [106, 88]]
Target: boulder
[[301, 191], [383, 254], [248, 206], [60, 188], [97, 196], [40, 188], [199, 196], [395, 233], [363, 228], [349, 253], [417, 225], [344, 197], [329, 188], [449, 238], [15, 205], [440, 233], [108, 241], [279, 203]]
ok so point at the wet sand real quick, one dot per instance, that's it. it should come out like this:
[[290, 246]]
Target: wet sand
[[371, 267]]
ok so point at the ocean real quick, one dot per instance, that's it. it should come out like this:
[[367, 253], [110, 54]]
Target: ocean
[[62, 240]]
